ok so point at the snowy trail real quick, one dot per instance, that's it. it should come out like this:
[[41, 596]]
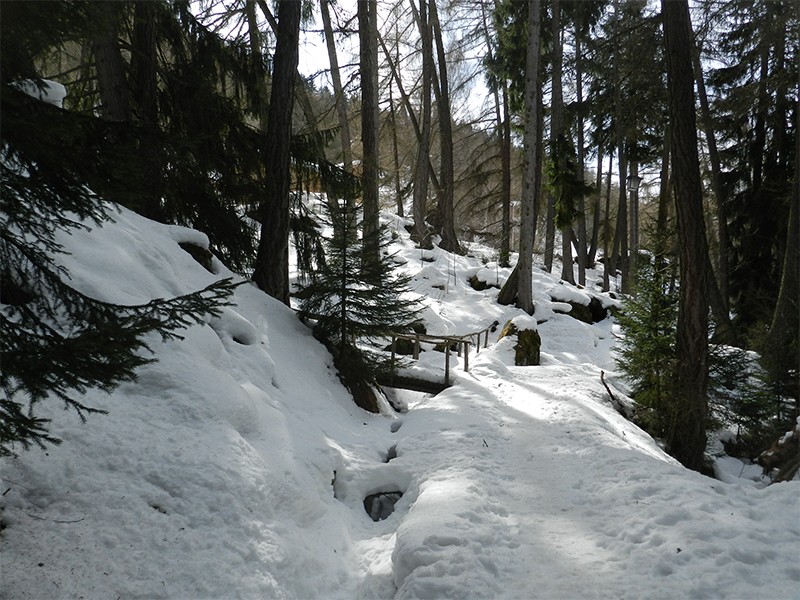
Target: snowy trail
[[237, 466]]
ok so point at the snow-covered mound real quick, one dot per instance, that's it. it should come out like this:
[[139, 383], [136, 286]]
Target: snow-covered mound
[[238, 467]]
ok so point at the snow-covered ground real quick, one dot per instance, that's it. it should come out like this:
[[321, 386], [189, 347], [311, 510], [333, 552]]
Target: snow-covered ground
[[237, 466]]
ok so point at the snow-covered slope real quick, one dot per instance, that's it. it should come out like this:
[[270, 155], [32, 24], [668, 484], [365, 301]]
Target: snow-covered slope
[[237, 466]]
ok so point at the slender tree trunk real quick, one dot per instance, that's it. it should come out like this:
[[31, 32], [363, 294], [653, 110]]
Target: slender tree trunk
[[591, 256], [634, 226], [723, 266], [338, 89], [505, 189], [782, 346], [145, 98], [368, 40], [581, 244], [665, 189], [530, 176], [421, 234], [409, 110], [686, 439], [112, 82], [503, 132], [449, 240], [271, 271], [398, 192], [608, 258]]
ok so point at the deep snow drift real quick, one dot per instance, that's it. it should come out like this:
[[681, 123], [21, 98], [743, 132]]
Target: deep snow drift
[[237, 466]]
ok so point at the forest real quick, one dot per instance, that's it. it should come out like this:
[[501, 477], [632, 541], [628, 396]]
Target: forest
[[659, 140]]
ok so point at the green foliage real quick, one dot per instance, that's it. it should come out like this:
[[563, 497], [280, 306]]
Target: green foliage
[[647, 352], [562, 179], [355, 301], [56, 342], [737, 395]]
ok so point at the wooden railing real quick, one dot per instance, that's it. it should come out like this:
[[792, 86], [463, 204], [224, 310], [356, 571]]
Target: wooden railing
[[462, 343]]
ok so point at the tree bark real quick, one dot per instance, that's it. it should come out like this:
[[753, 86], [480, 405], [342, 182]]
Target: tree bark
[[686, 439], [581, 245], [145, 99], [338, 89], [421, 235], [368, 41], [271, 272], [723, 267], [111, 79], [449, 239], [530, 175]]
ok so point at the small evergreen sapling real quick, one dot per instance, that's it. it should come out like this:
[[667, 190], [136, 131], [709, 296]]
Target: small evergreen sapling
[[647, 352], [354, 302]]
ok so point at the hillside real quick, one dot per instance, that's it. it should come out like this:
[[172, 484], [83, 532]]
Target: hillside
[[237, 466]]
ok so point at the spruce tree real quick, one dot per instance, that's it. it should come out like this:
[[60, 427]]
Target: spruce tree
[[56, 342], [356, 301], [647, 352]]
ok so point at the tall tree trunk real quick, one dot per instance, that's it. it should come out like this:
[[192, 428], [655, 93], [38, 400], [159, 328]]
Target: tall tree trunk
[[633, 225], [271, 272], [581, 245], [338, 89], [368, 41], [530, 175], [591, 255], [398, 190], [111, 77], [723, 266], [505, 182], [503, 132], [609, 267], [782, 345], [686, 439], [421, 173], [409, 109], [556, 135], [145, 98], [449, 240]]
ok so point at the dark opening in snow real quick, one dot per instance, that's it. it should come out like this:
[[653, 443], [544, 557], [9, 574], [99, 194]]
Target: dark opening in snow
[[381, 505]]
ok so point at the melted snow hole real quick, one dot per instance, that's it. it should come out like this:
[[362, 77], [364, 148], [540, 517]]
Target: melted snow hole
[[381, 504]]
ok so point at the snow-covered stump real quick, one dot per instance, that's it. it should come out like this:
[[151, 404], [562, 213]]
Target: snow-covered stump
[[527, 351]]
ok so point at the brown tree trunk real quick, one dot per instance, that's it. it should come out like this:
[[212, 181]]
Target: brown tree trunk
[[144, 95], [530, 175], [338, 89], [368, 41], [271, 272], [421, 234], [111, 77], [686, 439], [449, 240]]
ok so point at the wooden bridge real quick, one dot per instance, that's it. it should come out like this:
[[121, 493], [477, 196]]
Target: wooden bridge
[[460, 344]]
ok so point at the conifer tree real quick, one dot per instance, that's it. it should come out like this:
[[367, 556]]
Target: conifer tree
[[355, 301], [57, 342]]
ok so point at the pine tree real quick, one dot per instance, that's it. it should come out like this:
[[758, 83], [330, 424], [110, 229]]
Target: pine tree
[[57, 342], [647, 352], [355, 301]]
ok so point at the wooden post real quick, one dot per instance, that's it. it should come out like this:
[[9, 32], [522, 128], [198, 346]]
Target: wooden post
[[447, 366], [478, 347], [486, 341], [416, 346], [466, 356]]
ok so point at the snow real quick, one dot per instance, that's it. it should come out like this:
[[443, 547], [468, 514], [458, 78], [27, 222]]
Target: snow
[[46, 90], [237, 465]]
